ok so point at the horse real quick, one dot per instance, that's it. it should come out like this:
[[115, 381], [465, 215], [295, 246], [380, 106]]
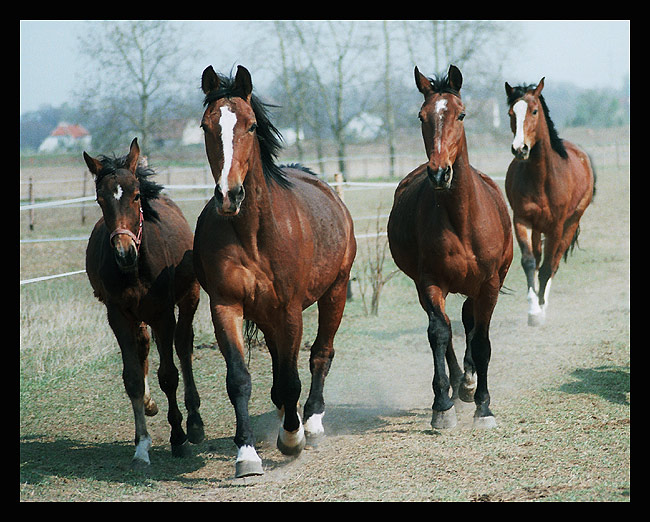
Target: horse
[[449, 231], [549, 184], [272, 241], [139, 263]]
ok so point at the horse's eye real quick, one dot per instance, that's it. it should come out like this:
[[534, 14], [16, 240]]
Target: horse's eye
[[461, 116], [136, 197], [253, 127], [535, 112]]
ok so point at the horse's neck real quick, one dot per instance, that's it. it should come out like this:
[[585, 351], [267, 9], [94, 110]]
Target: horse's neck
[[256, 217], [460, 199], [540, 161]]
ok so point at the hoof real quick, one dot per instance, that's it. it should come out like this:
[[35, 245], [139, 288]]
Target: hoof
[[485, 422], [140, 465], [150, 408], [536, 319], [467, 388], [247, 468], [195, 432], [291, 443], [248, 463], [442, 420], [181, 450]]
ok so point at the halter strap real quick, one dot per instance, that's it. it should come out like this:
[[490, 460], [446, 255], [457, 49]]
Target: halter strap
[[137, 239]]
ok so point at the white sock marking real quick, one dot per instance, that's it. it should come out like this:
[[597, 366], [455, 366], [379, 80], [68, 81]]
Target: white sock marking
[[314, 424], [248, 453]]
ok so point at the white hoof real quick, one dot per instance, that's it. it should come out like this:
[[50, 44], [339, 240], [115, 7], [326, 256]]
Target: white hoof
[[485, 422], [248, 462]]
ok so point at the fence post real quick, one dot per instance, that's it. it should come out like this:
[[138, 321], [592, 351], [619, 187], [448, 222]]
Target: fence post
[[338, 179], [31, 202]]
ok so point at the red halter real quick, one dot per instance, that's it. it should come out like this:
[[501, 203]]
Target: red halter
[[137, 239]]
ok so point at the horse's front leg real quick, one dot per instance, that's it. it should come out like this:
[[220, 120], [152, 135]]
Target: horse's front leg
[[134, 357], [228, 323], [529, 262], [432, 299]]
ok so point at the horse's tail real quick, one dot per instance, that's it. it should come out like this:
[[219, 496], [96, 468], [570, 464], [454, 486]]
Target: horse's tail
[[593, 171], [251, 332], [574, 243]]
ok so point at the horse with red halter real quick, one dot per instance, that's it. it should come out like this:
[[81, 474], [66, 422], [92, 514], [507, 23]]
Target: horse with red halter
[[549, 184], [449, 231], [272, 241], [139, 263]]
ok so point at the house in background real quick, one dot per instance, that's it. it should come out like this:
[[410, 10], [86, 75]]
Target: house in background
[[178, 132], [66, 137]]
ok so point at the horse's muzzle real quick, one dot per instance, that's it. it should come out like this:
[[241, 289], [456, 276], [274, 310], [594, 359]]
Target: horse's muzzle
[[522, 152], [441, 177], [230, 203], [125, 252]]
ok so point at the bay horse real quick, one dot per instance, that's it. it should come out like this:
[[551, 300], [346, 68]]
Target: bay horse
[[139, 263], [549, 184], [449, 231], [272, 241]]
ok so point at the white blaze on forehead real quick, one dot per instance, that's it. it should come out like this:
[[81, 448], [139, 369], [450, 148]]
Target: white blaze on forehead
[[440, 108], [227, 122], [519, 109], [118, 192]]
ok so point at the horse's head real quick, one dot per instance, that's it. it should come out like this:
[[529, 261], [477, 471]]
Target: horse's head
[[525, 112], [229, 125], [442, 116], [118, 195]]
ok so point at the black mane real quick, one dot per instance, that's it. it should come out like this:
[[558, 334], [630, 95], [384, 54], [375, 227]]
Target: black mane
[[556, 142], [269, 137], [149, 189]]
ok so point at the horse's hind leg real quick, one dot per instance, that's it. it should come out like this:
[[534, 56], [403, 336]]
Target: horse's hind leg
[[481, 350], [288, 335], [183, 339], [330, 312], [468, 384], [168, 379]]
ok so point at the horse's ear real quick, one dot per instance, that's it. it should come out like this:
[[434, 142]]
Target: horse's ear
[[209, 80], [243, 83], [133, 156], [540, 86], [423, 83], [508, 90], [455, 78], [94, 166]]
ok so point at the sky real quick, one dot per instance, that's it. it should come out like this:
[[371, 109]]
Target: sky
[[589, 54]]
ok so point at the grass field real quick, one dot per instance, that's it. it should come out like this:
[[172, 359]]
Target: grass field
[[561, 393]]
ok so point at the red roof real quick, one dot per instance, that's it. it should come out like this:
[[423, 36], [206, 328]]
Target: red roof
[[65, 129]]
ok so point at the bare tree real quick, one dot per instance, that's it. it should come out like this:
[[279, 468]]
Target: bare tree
[[134, 73]]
